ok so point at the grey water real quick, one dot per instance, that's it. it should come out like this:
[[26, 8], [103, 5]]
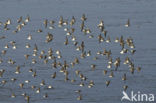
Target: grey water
[[114, 13]]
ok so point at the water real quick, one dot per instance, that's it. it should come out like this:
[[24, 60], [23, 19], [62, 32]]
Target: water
[[114, 13]]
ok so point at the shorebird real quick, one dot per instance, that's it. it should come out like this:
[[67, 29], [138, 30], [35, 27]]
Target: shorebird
[[13, 95], [2, 72], [72, 22], [48, 52], [66, 41], [29, 37], [45, 23], [53, 75], [83, 18], [124, 77], [49, 38], [107, 83], [128, 23], [79, 97], [45, 95], [27, 18], [20, 19], [27, 98], [105, 72]]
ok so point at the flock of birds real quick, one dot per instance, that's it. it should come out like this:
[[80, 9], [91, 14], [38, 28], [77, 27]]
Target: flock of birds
[[55, 58]]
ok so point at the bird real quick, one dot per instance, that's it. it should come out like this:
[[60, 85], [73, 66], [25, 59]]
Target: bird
[[38, 90], [125, 87], [83, 18], [21, 85], [27, 18], [13, 79], [29, 37], [93, 66], [8, 22], [45, 23], [1, 73], [53, 75], [139, 69], [45, 95], [34, 74], [27, 98], [128, 23], [81, 84], [107, 83], [20, 19], [111, 74], [42, 83], [79, 97], [49, 38], [124, 77], [105, 72], [63, 47], [73, 20], [13, 95], [66, 41], [17, 70]]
